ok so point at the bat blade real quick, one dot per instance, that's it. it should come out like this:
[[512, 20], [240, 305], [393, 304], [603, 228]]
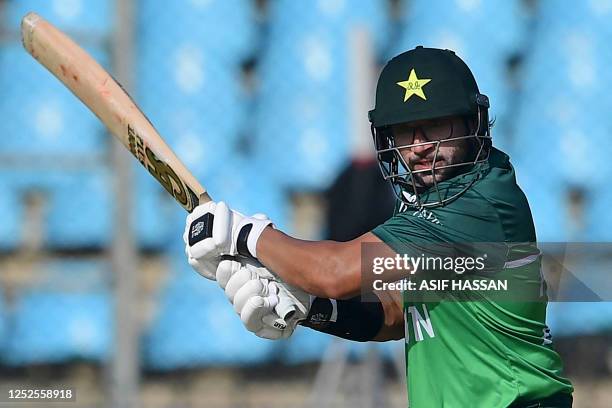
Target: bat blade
[[99, 91]]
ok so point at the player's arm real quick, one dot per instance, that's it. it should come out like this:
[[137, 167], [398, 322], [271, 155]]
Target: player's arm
[[327, 269], [323, 268]]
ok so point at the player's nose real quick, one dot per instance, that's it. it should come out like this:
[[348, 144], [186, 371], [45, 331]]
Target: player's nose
[[420, 140]]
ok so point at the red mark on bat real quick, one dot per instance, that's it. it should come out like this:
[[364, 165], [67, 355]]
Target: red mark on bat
[[104, 91], [75, 77], [64, 70], [117, 117]]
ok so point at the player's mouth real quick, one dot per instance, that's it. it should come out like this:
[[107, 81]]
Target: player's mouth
[[425, 164]]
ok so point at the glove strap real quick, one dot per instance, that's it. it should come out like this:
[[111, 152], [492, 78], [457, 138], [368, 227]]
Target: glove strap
[[248, 234]]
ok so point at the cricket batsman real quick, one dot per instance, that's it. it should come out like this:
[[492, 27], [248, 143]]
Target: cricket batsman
[[431, 131]]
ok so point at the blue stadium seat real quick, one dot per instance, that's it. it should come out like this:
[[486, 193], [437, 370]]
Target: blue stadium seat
[[53, 328], [579, 318], [80, 211], [189, 75], [304, 144], [200, 139], [598, 215], [548, 199], [68, 317], [11, 217], [305, 346], [563, 123], [334, 18], [448, 23], [153, 207], [78, 208], [248, 188], [77, 205], [224, 29], [582, 297], [472, 30], [82, 16], [195, 100], [302, 120], [196, 326], [45, 118], [565, 110]]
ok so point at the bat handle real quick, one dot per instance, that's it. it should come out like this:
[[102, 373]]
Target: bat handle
[[285, 308], [204, 198]]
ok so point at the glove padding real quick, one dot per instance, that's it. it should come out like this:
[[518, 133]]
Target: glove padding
[[261, 300], [213, 232]]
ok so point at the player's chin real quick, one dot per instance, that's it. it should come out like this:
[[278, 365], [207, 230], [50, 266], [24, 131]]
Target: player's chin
[[424, 181]]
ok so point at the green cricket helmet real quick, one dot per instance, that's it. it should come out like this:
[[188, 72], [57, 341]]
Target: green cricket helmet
[[428, 84]]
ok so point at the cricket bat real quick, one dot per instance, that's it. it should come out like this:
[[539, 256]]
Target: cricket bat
[[99, 91]]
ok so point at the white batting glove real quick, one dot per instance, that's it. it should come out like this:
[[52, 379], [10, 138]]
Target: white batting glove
[[213, 231], [261, 300]]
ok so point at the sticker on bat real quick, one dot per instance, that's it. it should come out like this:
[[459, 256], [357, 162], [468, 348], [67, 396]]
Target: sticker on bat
[[136, 145], [163, 173]]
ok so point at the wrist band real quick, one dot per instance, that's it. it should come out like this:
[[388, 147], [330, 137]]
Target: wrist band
[[351, 319], [248, 234]]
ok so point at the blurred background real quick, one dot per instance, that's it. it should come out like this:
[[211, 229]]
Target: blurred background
[[266, 102]]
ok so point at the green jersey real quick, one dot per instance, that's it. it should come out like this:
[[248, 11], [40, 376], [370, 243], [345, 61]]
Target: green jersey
[[488, 352]]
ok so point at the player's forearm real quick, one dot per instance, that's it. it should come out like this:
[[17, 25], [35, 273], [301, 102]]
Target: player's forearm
[[322, 268], [393, 325]]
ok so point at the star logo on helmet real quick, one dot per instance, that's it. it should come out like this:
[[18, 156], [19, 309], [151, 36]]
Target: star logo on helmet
[[414, 86]]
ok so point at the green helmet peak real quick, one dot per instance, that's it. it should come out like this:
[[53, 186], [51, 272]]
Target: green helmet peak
[[425, 83]]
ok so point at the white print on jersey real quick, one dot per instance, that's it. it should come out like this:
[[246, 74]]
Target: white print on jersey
[[421, 212], [428, 215], [419, 322]]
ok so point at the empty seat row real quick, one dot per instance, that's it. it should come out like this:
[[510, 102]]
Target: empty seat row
[[561, 141], [92, 17], [302, 119], [40, 115], [76, 209], [562, 125], [67, 313], [298, 128]]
